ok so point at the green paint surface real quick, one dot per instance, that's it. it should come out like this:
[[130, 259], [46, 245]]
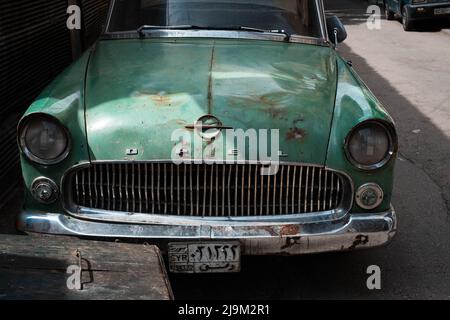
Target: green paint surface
[[135, 93]]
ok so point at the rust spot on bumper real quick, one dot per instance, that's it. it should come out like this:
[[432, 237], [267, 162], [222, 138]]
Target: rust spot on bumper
[[290, 230], [290, 242], [360, 240], [271, 231]]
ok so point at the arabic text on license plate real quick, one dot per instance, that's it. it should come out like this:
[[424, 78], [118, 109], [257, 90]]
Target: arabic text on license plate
[[440, 11], [204, 257]]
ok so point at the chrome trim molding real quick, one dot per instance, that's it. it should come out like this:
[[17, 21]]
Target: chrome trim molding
[[322, 19], [215, 34], [355, 231]]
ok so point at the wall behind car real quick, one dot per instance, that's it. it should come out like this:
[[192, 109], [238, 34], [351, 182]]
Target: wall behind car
[[35, 46]]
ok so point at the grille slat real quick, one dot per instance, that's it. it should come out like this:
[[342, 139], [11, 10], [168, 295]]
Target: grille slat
[[300, 190], [108, 188], [113, 187], [249, 190], [120, 185], [236, 208], [83, 187], [133, 201], [287, 187], [320, 191], [305, 209], [331, 190], [312, 189], [204, 190], [77, 188], [139, 188], [293, 188], [89, 184], [127, 202], [338, 183], [217, 191], [178, 191], [158, 201]]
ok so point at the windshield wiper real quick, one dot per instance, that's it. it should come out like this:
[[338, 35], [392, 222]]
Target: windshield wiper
[[141, 30], [287, 34]]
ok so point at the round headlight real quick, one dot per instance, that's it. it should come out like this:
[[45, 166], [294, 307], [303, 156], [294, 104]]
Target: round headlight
[[44, 140], [370, 145]]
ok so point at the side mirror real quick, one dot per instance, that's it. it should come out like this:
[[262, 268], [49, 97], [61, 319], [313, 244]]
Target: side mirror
[[336, 30]]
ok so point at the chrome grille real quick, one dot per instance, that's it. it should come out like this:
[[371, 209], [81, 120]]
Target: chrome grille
[[203, 190]]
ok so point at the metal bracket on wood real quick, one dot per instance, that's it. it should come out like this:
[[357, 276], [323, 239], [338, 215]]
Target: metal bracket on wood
[[79, 281]]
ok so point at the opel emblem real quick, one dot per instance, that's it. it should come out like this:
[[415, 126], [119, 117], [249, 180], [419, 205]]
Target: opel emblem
[[208, 127]]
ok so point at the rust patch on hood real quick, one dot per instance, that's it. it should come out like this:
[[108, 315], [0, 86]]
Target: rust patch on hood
[[274, 108], [270, 103], [295, 134], [161, 100]]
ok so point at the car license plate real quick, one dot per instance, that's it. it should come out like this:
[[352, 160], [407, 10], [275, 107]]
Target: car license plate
[[199, 257], [441, 11]]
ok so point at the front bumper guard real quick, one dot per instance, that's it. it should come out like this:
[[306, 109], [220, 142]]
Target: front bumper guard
[[355, 231]]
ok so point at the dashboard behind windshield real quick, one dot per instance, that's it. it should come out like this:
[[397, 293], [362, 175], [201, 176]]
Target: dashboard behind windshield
[[300, 17]]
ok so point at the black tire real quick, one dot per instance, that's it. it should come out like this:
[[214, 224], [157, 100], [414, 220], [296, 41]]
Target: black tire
[[406, 20], [389, 15]]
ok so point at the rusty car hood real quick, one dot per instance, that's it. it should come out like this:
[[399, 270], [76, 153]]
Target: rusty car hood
[[138, 92]]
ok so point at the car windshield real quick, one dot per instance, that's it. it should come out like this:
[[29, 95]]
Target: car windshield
[[300, 17]]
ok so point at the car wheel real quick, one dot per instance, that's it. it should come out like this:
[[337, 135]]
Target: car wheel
[[406, 20], [389, 15]]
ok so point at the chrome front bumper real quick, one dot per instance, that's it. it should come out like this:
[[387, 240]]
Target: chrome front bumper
[[354, 231]]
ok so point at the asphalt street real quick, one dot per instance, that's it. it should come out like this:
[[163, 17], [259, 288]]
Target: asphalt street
[[410, 74]]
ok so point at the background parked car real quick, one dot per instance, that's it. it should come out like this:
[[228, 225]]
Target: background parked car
[[412, 11]]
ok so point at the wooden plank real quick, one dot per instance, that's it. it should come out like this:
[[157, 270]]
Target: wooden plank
[[35, 267]]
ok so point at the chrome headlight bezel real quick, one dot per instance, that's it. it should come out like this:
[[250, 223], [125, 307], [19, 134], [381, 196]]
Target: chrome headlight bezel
[[390, 152], [22, 130]]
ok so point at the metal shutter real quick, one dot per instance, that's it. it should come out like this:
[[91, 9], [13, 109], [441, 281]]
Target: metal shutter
[[94, 16]]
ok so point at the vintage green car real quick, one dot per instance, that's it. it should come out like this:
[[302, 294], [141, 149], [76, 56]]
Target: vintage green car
[[412, 11], [213, 129]]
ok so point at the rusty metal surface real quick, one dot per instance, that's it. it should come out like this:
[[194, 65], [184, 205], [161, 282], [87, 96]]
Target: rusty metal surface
[[140, 91]]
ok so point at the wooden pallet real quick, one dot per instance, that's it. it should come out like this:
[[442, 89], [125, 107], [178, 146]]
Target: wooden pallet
[[36, 267]]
